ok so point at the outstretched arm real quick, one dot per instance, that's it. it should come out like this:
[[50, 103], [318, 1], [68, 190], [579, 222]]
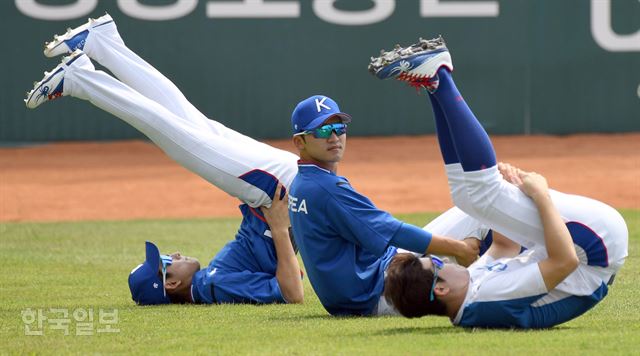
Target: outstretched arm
[[562, 259], [288, 269], [415, 239], [465, 251]]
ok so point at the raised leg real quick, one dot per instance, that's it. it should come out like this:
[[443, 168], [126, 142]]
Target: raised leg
[[489, 198], [101, 41], [248, 170]]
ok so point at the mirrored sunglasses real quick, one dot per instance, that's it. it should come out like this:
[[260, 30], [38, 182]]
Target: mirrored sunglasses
[[325, 131], [166, 261], [438, 264]]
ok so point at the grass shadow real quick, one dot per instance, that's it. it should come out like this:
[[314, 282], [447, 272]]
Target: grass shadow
[[309, 317], [422, 330], [450, 330]]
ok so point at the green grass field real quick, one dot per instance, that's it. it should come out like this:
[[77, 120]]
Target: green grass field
[[84, 267]]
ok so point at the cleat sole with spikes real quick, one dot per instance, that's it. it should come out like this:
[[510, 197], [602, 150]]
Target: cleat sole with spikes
[[416, 64], [398, 53]]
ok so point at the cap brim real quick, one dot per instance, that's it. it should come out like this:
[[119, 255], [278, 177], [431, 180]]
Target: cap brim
[[144, 276], [152, 255], [318, 121]]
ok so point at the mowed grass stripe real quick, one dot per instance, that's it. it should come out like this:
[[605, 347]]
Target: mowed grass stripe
[[86, 265]]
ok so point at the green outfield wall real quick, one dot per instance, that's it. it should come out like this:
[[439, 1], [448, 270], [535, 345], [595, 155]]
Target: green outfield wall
[[524, 66]]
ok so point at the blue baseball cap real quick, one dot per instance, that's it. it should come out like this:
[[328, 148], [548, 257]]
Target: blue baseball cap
[[144, 282], [311, 112]]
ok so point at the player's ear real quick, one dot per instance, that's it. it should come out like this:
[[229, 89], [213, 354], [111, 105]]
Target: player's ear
[[172, 284], [441, 289], [299, 141]]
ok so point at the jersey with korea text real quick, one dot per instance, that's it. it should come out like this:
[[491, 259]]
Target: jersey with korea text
[[343, 240], [510, 292], [244, 271]]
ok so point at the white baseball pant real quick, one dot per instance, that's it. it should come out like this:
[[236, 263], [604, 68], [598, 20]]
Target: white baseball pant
[[148, 101], [599, 232]]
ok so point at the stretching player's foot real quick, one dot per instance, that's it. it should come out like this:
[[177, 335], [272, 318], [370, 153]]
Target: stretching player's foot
[[51, 87], [74, 38], [417, 64]]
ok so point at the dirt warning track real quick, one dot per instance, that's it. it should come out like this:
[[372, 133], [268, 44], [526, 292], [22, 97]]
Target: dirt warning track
[[135, 180]]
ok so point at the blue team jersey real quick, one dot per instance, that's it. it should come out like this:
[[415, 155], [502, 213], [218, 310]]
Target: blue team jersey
[[244, 271], [343, 240]]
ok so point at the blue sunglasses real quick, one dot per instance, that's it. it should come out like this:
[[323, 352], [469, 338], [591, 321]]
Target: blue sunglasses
[[325, 131], [438, 264], [166, 261]]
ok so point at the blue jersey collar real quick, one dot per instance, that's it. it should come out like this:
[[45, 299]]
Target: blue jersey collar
[[195, 294], [312, 164]]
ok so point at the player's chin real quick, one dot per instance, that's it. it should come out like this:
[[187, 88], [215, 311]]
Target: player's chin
[[194, 262], [455, 268], [335, 154]]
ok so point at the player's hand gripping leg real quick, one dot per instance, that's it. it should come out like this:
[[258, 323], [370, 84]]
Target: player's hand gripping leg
[[288, 270]]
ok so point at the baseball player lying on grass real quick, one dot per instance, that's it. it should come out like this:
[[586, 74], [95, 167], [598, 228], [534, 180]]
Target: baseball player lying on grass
[[574, 245], [260, 265]]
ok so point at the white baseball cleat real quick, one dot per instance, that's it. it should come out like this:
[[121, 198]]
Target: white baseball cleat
[[74, 38], [51, 87]]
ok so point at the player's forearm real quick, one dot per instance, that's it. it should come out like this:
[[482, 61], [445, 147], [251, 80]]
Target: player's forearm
[[417, 240], [556, 235], [562, 258], [464, 253], [288, 268], [411, 238]]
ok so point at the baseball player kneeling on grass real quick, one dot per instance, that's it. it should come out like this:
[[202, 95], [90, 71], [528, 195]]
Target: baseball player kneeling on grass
[[260, 265], [573, 245]]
